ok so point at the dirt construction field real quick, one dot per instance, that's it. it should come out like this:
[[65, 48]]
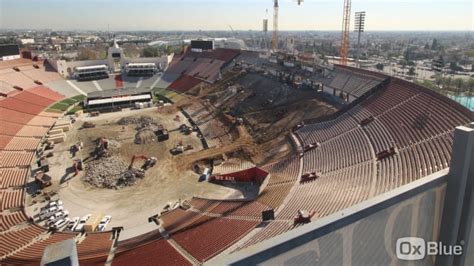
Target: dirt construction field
[[130, 206]]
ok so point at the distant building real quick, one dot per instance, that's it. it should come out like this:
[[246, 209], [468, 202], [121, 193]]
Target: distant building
[[9, 52], [27, 41], [116, 62]]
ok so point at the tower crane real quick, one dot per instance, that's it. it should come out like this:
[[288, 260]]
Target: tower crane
[[346, 21]]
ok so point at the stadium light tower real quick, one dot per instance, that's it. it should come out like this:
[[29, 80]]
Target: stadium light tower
[[359, 28], [346, 21], [265, 30], [275, 25]]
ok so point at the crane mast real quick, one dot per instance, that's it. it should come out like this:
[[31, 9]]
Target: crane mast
[[275, 25], [346, 21]]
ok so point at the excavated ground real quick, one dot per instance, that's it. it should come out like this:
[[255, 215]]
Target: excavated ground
[[132, 205]]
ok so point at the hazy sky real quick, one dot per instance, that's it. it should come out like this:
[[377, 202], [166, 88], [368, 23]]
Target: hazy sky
[[240, 14]]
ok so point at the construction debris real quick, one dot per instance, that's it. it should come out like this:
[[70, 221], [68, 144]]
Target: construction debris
[[145, 136], [111, 172], [140, 121], [146, 128]]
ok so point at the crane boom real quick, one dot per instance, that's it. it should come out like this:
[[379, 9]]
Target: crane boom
[[346, 21]]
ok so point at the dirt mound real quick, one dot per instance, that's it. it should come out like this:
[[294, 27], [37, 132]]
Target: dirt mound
[[145, 136], [112, 173]]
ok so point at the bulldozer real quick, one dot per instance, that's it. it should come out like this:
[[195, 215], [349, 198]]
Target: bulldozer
[[180, 148], [149, 161]]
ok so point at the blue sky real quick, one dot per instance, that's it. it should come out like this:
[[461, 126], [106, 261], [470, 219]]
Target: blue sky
[[240, 14]]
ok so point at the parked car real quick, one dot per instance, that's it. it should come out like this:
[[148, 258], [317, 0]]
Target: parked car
[[45, 216], [58, 215], [103, 223], [72, 224], [50, 211], [60, 223], [82, 222], [55, 203]]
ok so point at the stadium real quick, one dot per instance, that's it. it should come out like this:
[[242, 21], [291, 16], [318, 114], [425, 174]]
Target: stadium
[[247, 159]]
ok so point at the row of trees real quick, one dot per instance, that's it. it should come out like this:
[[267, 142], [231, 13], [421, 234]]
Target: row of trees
[[157, 51], [457, 85]]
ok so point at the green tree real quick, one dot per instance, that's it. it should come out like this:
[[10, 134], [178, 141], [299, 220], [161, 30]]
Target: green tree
[[470, 86], [411, 71], [379, 66], [447, 82], [459, 83]]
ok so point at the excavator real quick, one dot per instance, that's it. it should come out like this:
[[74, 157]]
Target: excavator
[[102, 147], [149, 161]]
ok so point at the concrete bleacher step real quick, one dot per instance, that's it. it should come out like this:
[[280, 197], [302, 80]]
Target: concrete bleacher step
[[183, 252], [290, 194], [39, 238]]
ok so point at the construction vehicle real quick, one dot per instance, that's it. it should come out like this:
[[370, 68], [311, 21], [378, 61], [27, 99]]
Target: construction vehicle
[[295, 128], [180, 148], [238, 121], [303, 217], [77, 166], [185, 129], [88, 125], [367, 121], [149, 161], [311, 146], [387, 153], [102, 147], [162, 135], [307, 177]]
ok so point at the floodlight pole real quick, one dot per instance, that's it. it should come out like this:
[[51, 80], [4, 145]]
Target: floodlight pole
[[359, 28]]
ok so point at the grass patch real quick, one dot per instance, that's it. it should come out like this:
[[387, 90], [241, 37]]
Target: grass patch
[[79, 98], [75, 109], [60, 106], [54, 111], [63, 105]]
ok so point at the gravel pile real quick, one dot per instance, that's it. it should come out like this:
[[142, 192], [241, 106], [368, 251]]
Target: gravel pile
[[111, 172]]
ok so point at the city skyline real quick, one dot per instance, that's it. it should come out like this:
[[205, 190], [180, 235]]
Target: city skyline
[[181, 15]]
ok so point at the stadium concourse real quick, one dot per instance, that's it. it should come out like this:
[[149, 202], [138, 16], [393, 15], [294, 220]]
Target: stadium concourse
[[392, 133]]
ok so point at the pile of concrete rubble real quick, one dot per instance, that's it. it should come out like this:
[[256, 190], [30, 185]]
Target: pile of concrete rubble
[[145, 126], [140, 121], [111, 172]]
